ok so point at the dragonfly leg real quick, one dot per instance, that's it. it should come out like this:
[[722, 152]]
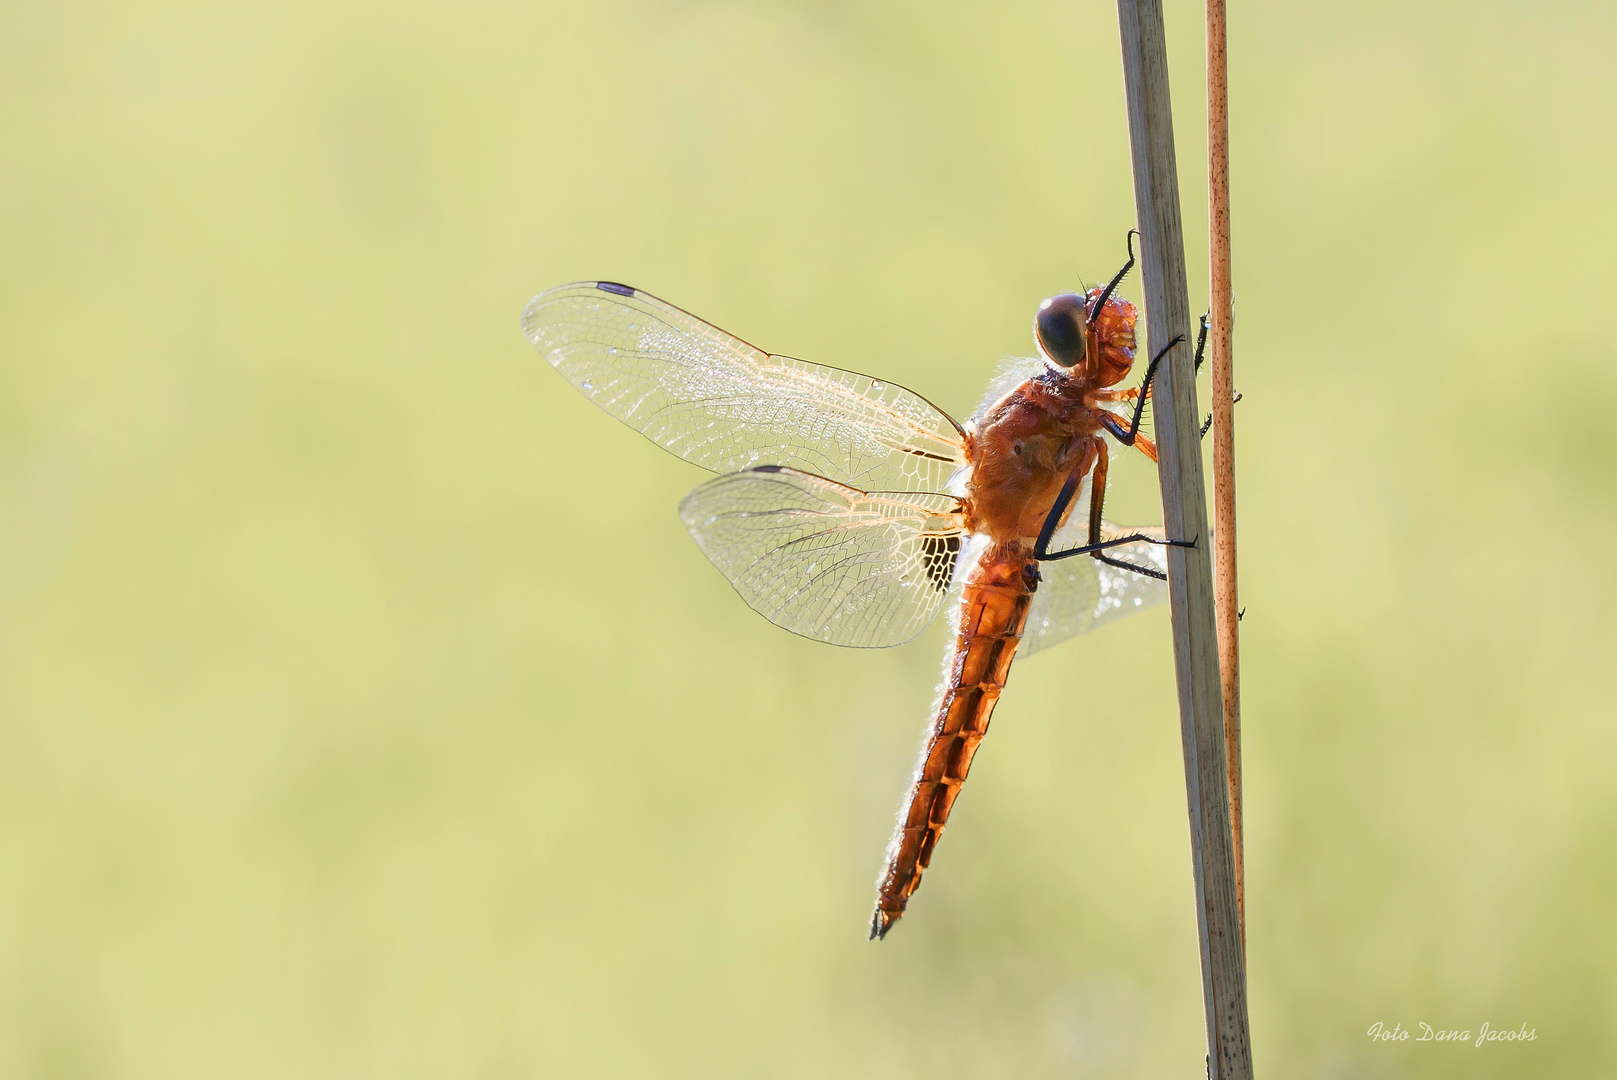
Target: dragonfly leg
[[1201, 350], [1117, 278], [1130, 436], [1114, 424], [1097, 497], [1127, 439], [1041, 549], [1201, 345], [1097, 488], [1058, 509]]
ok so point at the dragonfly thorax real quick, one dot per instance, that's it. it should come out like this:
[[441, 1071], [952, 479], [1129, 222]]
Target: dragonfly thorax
[[1023, 447]]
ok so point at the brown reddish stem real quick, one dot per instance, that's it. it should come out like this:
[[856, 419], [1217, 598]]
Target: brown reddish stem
[[1184, 512], [1220, 348]]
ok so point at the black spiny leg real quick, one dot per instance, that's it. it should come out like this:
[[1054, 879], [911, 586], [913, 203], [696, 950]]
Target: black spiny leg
[[1113, 424], [1201, 343], [1116, 279], [1041, 549], [1201, 349], [1097, 497]]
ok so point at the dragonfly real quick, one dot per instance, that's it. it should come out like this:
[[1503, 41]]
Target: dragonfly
[[851, 510]]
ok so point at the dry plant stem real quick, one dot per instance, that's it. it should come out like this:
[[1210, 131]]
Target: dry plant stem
[[1190, 579], [1220, 351]]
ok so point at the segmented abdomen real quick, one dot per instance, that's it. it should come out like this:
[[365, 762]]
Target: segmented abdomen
[[993, 611]]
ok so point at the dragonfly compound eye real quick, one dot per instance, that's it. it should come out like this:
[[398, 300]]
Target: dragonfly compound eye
[[1059, 329]]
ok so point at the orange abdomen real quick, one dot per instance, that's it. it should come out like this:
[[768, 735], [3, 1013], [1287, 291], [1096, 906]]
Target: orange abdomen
[[993, 611]]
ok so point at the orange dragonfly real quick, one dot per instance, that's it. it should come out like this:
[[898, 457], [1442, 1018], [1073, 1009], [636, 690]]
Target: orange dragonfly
[[849, 509]]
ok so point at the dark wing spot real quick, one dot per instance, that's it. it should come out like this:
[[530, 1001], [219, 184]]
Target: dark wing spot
[[938, 556], [614, 287]]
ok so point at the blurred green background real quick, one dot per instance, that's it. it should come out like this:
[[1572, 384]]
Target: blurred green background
[[365, 710]]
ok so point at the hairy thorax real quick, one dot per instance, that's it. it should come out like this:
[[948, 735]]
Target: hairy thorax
[[1023, 447]]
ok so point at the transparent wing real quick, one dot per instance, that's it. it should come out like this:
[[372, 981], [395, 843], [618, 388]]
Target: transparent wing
[[714, 400], [1077, 595], [825, 560]]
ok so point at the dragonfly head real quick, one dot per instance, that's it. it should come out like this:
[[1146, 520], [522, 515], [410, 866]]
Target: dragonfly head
[[1090, 335], [1111, 338], [1060, 331]]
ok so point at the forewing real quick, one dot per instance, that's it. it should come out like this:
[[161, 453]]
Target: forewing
[[1078, 594], [725, 405], [825, 560]]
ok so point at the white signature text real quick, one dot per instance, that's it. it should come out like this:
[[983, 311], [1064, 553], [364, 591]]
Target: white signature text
[[1380, 1032]]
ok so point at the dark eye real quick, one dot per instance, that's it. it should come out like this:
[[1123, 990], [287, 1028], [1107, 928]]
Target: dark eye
[[1059, 328]]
